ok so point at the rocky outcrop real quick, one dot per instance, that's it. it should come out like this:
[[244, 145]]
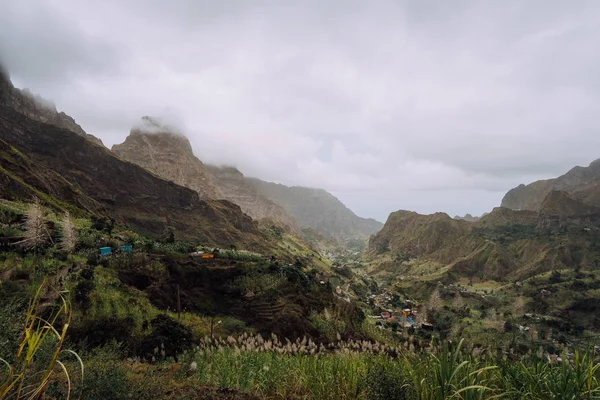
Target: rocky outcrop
[[37, 108], [319, 210], [583, 182], [167, 153]]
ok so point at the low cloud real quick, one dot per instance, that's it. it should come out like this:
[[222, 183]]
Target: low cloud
[[430, 106]]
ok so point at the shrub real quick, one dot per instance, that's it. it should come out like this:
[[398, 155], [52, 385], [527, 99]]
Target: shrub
[[105, 374], [384, 381], [167, 339]]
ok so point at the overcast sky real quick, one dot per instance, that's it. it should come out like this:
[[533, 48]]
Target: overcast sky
[[421, 105]]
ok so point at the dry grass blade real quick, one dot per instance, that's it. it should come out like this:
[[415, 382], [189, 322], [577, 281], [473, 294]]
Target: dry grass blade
[[24, 373]]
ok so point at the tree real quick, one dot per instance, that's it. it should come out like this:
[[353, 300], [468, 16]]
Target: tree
[[435, 300], [36, 231], [68, 238]]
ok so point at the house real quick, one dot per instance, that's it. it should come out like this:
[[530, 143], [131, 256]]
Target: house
[[105, 251], [385, 315]]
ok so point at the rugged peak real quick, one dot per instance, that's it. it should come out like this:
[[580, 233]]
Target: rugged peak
[[37, 108], [151, 132], [164, 150], [153, 125]]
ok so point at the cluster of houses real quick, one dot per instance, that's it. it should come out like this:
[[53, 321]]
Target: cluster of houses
[[405, 318]]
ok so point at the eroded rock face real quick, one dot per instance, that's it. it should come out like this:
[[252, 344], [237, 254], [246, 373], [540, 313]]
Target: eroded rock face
[[167, 153], [37, 108]]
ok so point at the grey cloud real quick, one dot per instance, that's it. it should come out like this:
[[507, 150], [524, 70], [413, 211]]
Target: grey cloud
[[42, 47], [425, 105]]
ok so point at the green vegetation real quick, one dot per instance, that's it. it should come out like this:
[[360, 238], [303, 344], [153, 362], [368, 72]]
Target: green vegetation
[[162, 321]]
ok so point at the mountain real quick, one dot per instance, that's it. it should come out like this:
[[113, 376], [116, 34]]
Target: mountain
[[581, 182], [560, 203], [234, 186], [503, 245], [37, 108], [318, 209], [67, 171], [468, 217], [166, 152]]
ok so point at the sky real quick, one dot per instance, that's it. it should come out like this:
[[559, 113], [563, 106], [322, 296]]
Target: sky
[[420, 105]]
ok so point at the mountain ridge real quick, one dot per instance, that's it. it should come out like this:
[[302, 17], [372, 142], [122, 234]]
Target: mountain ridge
[[68, 171], [318, 209], [37, 108], [582, 182]]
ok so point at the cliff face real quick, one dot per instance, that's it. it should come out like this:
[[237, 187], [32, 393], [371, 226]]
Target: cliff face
[[168, 154], [233, 186], [319, 210], [583, 182], [63, 168], [37, 108]]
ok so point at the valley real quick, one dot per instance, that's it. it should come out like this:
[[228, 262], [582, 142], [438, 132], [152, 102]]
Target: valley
[[172, 278]]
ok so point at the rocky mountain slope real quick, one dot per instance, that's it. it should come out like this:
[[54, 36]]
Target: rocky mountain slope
[[319, 210], [503, 245], [581, 182], [234, 186], [68, 171], [37, 108], [167, 153]]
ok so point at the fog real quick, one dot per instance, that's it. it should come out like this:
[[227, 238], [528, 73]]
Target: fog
[[421, 105]]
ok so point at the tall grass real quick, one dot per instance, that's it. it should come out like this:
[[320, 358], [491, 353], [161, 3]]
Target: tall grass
[[361, 370], [29, 373]]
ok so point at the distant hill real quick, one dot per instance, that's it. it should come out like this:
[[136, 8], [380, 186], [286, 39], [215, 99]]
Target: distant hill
[[468, 217], [503, 245], [318, 209], [234, 186], [583, 183]]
